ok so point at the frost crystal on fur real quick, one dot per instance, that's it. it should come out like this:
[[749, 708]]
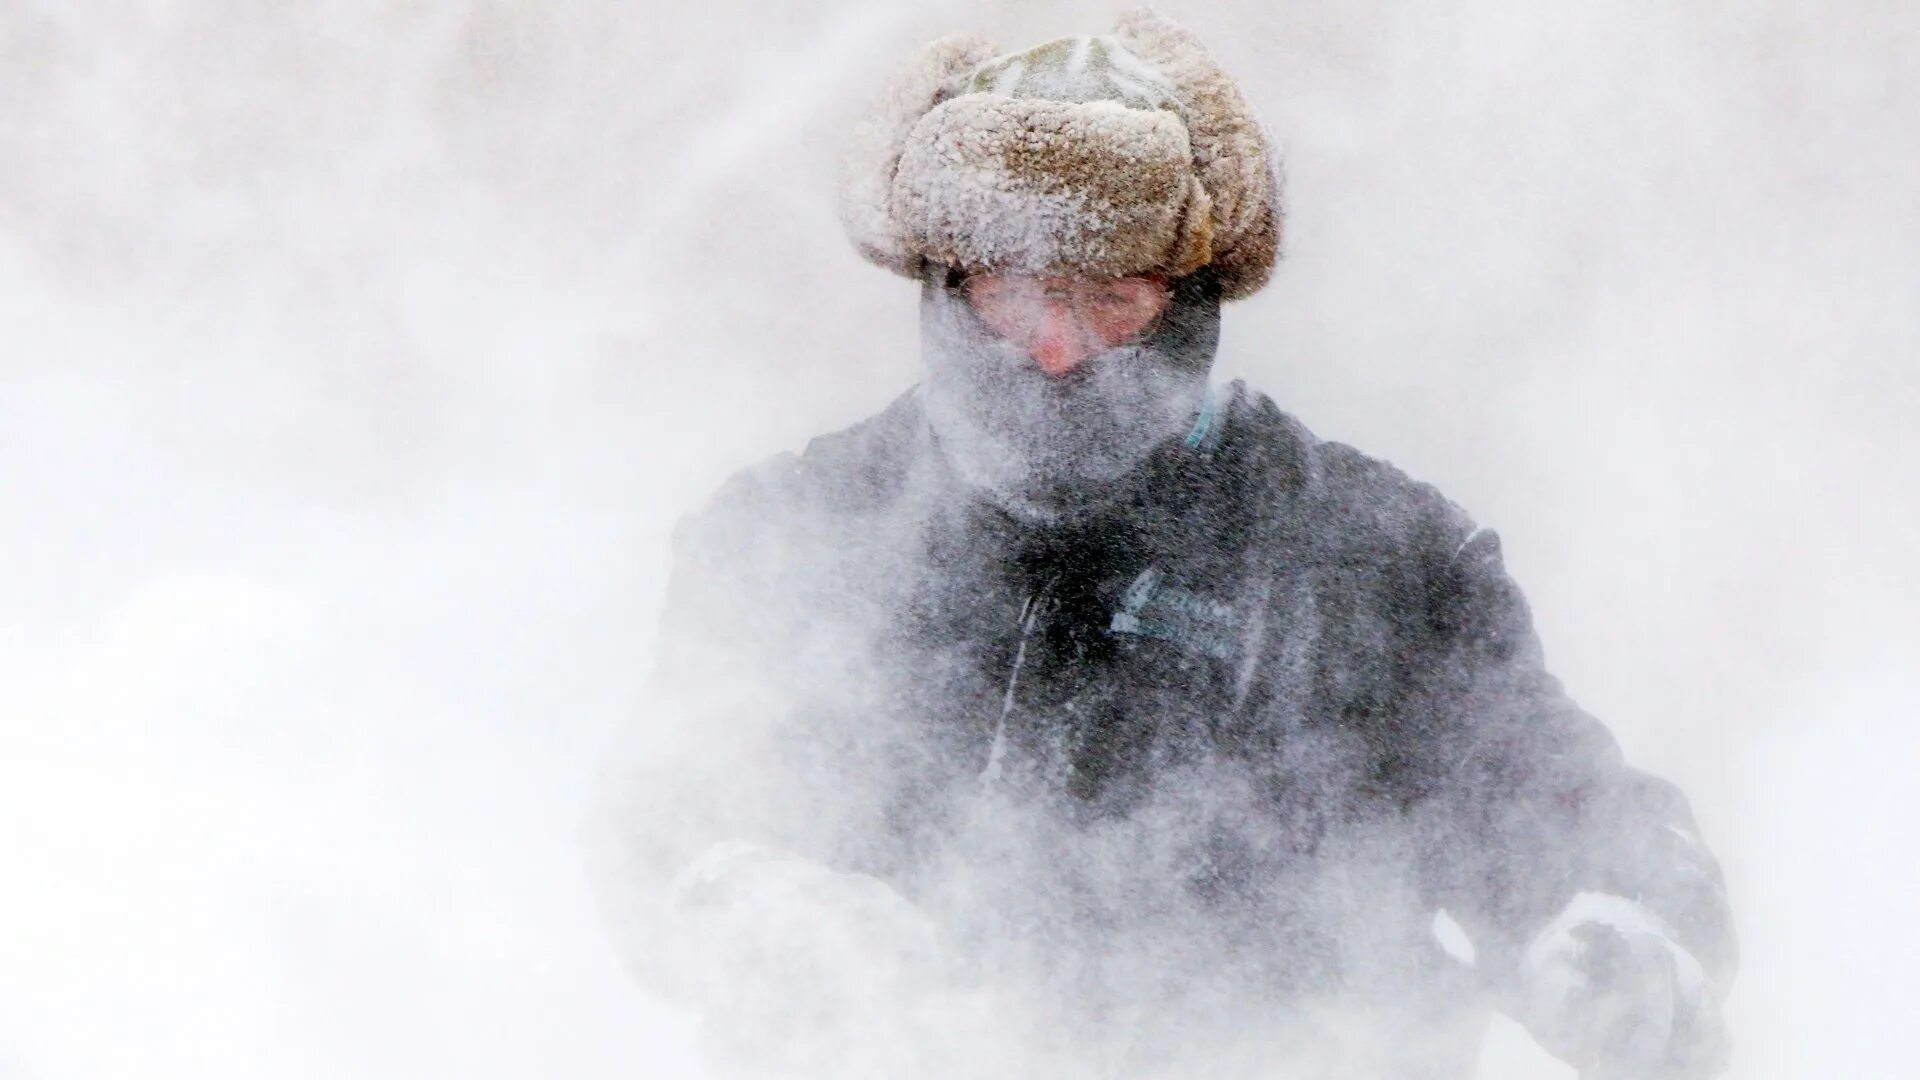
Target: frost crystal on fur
[[873, 151], [1087, 157], [1048, 188]]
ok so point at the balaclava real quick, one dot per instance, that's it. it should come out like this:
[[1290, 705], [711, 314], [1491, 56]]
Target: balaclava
[[1095, 157], [1049, 448]]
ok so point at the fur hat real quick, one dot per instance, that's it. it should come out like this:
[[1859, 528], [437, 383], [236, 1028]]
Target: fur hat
[[1107, 156]]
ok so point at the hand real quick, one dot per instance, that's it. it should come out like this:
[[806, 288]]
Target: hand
[[1606, 988]]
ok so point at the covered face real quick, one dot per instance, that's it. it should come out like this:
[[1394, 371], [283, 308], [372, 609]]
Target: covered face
[[1045, 394], [1062, 322]]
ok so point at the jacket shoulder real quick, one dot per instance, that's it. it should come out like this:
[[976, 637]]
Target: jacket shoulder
[[1357, 500], [859, 468]]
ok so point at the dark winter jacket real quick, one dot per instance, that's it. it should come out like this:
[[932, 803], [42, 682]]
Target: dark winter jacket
[[1252, 727]]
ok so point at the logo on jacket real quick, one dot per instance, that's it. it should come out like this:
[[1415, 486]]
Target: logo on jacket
[[1153, 608]]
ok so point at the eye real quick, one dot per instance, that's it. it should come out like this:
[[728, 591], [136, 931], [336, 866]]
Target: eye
[[1009, 307], [985, 289], [1132, 293], [1122, 309]]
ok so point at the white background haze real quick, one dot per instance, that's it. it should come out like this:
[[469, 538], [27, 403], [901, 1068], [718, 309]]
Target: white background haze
[[357, 357]]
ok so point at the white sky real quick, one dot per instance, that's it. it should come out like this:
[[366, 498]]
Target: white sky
[[355, 360]]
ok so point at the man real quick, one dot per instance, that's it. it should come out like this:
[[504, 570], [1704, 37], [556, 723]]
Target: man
[[1076, 717]]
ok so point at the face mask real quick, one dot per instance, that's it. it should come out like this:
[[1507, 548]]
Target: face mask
[[1051, 448]]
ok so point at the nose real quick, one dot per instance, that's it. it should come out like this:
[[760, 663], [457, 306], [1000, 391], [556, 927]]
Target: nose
[[1060, 343]]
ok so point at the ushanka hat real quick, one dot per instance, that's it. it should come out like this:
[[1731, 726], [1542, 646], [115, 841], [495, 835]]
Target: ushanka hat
[[1127, 153]]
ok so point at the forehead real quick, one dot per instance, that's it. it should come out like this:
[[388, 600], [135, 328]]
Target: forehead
[[1067, 282]]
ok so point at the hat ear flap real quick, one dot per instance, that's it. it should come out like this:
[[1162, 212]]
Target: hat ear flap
[[1230, 153], [927, 78]]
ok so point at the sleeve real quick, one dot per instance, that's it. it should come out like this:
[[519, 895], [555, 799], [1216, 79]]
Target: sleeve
[[710, 755], [1530, 802]]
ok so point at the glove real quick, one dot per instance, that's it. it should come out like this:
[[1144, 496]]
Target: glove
[[792, 960], [1607, 989]]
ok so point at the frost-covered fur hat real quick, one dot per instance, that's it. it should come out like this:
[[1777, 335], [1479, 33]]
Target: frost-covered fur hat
[[1107, 156]]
